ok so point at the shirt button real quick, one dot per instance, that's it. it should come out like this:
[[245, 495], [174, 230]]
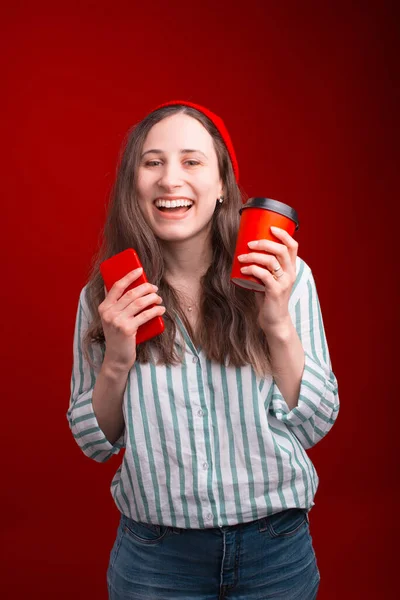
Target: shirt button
[[200, 413], [209, 516], [195, 359], [205, 466]]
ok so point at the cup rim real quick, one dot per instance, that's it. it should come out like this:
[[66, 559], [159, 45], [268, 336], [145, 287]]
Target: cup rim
[[274, 206]]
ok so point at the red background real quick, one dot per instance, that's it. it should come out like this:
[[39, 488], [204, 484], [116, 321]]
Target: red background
[[308, 95]]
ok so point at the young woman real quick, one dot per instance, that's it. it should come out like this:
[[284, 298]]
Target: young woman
[[216, 413]]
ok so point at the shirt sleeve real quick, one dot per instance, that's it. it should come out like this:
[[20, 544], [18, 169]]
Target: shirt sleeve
[[81, 417], [318, 403]]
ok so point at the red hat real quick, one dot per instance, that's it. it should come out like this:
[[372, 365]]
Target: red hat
[[219, 124]]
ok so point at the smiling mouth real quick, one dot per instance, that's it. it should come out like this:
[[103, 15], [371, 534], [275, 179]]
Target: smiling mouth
[[173, 206]]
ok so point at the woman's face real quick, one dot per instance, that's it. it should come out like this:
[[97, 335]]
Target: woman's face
[[178, 179]]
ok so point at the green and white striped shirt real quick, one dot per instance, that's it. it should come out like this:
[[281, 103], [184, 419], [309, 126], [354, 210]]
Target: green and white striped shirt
[[205, 444]]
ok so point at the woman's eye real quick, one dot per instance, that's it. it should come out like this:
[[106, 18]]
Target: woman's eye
[[152, 163], [192, 163]]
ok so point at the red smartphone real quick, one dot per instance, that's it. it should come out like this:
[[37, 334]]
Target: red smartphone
[[116, 267]]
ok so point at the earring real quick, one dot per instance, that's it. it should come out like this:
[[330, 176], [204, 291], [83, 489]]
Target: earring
[[221, 199]]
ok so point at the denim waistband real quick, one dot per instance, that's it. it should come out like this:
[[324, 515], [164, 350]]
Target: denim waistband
[[261, 523]]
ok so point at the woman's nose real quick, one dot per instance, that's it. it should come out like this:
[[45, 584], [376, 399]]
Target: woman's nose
[[171, 175]]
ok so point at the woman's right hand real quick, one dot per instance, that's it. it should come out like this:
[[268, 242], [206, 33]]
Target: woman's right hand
[[120, 318]]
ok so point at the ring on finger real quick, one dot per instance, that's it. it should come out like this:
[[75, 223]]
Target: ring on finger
[[276, 270]]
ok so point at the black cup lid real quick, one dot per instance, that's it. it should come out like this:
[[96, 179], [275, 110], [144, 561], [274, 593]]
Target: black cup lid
[[275, 206]]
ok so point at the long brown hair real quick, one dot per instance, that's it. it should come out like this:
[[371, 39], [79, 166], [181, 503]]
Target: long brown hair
[[228, 331]]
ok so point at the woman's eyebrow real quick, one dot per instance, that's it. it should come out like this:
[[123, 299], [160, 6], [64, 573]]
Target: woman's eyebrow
[[184, 151], [187, 150]]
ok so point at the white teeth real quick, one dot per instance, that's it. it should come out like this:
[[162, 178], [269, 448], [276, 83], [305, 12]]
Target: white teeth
[[172, 203]]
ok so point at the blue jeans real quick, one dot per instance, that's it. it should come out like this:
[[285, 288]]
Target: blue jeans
[[269, 558]]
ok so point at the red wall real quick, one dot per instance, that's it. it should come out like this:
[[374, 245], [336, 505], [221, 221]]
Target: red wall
[[307, 94]]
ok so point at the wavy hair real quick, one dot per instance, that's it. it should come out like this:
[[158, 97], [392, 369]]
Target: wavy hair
[[228, 331]]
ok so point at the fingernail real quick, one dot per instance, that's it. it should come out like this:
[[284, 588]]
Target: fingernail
[[253, 244], [242, 257], [277, 229]]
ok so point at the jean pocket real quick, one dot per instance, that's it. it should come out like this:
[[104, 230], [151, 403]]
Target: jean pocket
[[145, 533], [287, 523]]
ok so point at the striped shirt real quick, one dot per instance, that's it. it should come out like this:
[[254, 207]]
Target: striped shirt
[[209, 445]]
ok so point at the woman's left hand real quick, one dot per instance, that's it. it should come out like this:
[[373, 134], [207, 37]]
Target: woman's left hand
[[277, 271]]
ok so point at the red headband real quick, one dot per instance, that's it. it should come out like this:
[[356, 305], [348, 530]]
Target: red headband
[[219, 124]]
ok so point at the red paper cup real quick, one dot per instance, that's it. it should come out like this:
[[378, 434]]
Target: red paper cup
[[257, 216]]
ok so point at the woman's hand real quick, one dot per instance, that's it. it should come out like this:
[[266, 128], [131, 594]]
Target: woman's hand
[[277, 271], [121, 319]]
